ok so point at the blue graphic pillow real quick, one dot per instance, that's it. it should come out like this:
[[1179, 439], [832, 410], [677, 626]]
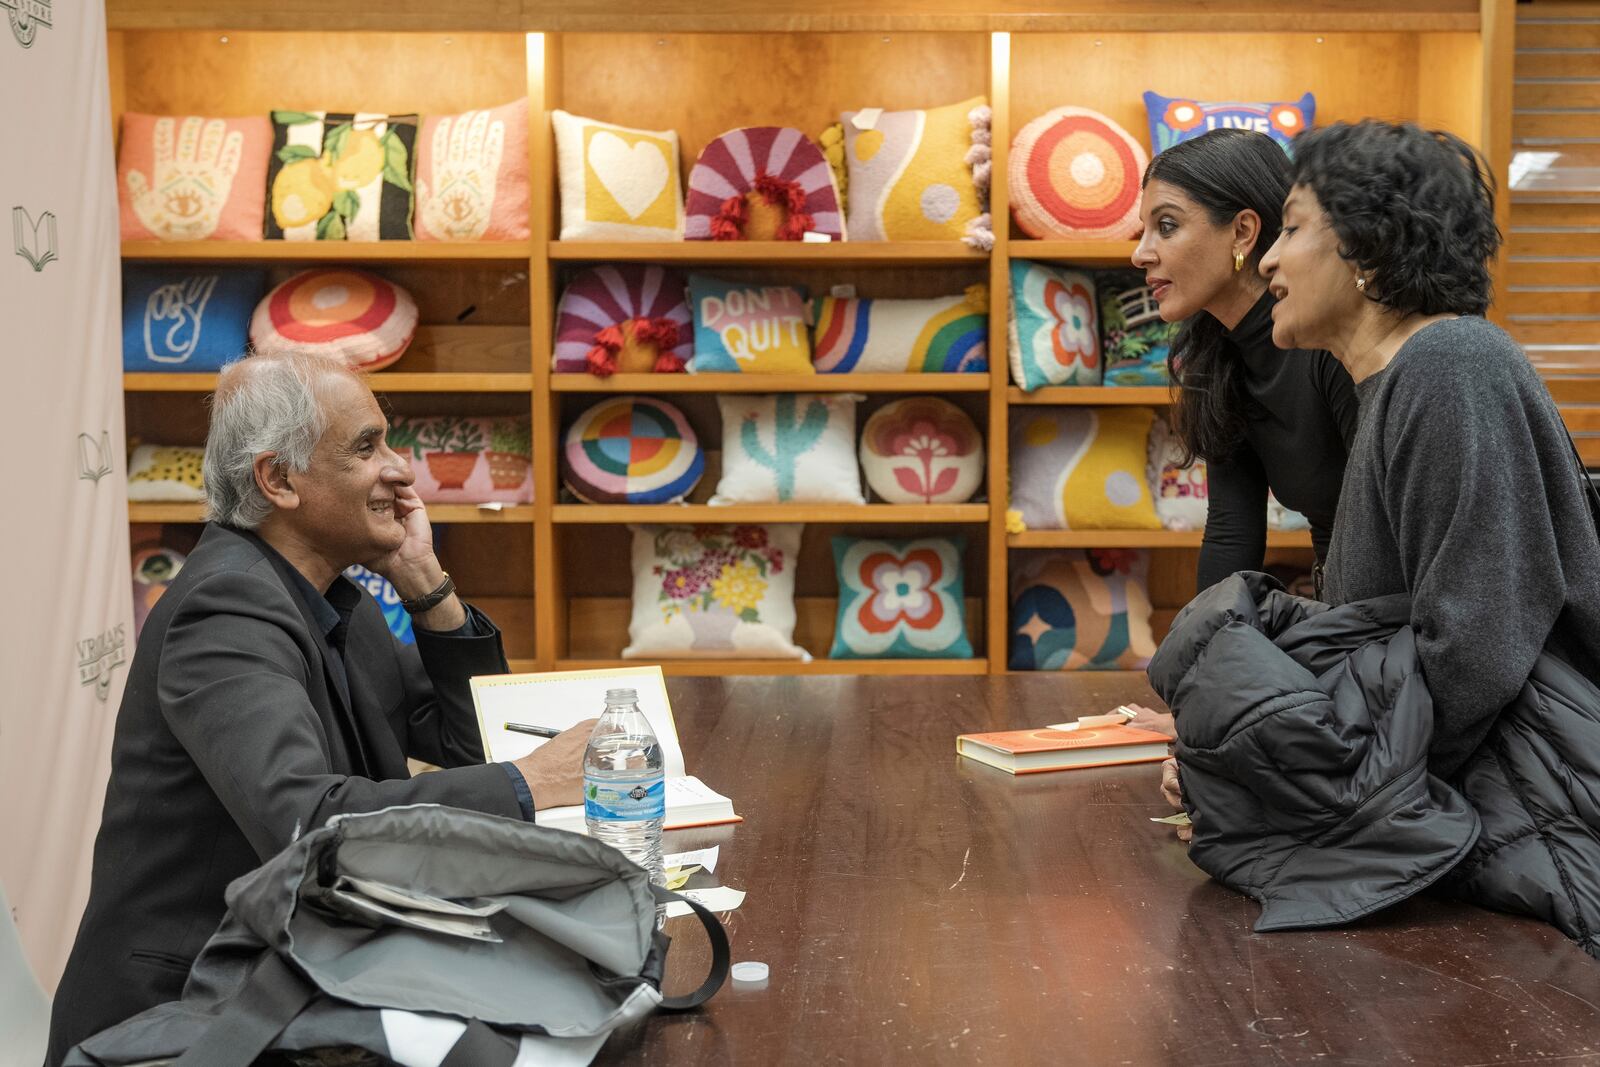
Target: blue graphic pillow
[[749, 329], [187, 318], [389, 600], [1054, 329], [1178, 118], [900, 599], [1134, 339]]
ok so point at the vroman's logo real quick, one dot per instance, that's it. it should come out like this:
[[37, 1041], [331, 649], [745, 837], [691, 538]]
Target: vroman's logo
[[26, 18], [99, 656]]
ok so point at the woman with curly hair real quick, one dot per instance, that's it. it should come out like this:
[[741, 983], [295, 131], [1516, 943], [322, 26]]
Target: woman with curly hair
[[1262, 418]]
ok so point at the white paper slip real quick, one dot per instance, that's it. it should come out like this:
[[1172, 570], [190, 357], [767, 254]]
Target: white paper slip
[[471, 927], [415, 900], [705, 857], [690, 802], [717, 898]]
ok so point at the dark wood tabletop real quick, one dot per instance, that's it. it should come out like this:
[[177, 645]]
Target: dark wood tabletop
[[916, 907]]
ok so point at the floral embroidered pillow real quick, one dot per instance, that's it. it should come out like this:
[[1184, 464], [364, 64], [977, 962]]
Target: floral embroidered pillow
[[617, 183], [472, 175], [1081, 610], [467, 460], [1181, 494], [1054, 327], [714, 592], [192, 178], [340, 176], [900, 599], [922, 450], [789, 449]]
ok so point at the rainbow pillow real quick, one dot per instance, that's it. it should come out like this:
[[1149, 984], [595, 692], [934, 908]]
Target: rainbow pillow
[[628, 317], [948, 334], [762, 183]]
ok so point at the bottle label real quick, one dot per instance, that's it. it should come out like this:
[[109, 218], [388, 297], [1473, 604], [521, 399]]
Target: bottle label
[[625, 800]]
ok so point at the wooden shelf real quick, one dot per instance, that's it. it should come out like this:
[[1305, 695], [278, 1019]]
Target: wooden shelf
[[738, 513], [448, 513], [772, 253], [1097, 395], [517, 252], [771, 383], [1139, 539], [1086, 253], [381, 382], [693, 667]]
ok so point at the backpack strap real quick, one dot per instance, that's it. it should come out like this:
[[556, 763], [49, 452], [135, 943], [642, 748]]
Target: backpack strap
[[272, 996], [719, 953], [480, 1046]]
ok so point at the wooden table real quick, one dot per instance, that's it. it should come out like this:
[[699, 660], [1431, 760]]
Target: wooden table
[[915, 907]]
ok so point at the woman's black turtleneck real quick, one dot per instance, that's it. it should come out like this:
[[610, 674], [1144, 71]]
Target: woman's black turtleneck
[[1300, 417]]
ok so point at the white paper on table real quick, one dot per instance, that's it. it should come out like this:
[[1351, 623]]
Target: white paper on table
[[416, 1039], [717, 898], [682, 793], [705, 857]]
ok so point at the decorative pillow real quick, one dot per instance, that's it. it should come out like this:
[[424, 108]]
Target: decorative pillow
[[920, 175], [388, 599], [1076, 175], [467, 460], [154, 567], [789, 449], [1083, 610], [187, 318], [714, 592], [1178, 118], [942, 335], [166, 474], [831, 142], [922, 450], [1134, 340], [631, 450], [1082, 468], [1180, 492], [472, 175], [363, 320], [748, 329], [1281, 518], [629, 318], [762, 183], [900, 599], [617, 183], [340, 176], [1053, 329], [191, 178]]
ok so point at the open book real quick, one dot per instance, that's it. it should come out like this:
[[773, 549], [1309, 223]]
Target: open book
[[561, 699]]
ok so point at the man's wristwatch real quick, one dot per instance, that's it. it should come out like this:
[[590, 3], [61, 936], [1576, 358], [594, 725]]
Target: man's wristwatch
[[428, 601]]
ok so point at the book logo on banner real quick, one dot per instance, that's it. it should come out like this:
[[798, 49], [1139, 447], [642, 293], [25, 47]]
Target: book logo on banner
[[99, 656], [34, 239], [94, 457], [26, 18]]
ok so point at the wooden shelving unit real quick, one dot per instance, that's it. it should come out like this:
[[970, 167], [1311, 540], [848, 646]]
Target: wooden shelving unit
[[554, 574]]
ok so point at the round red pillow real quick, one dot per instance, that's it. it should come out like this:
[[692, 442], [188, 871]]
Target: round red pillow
[[362, 320], [1074, 175]]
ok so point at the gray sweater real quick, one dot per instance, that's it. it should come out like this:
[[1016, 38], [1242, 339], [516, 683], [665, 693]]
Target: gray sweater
[[1462, 490]]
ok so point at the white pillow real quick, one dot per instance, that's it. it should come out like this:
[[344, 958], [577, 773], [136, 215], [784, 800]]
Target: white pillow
[[721, 592], [617, 183], [922, 450], [166, 474], [789, 449], [1179, 492]]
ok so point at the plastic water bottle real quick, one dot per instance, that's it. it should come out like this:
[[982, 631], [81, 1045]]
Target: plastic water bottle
[[624, 783]]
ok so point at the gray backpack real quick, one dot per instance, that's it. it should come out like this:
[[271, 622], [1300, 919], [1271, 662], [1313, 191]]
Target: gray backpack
[[422, 934]]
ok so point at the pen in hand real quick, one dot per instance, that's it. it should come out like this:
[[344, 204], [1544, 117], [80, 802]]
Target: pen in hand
[[536, 731]]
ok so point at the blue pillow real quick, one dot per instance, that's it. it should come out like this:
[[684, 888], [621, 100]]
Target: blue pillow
[[187, 318], [1178, 118], [900, 599], [389, 600], [749, 328], [1134, 341]]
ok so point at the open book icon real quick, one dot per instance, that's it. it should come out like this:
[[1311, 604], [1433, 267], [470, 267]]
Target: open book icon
[[94, 457], [35, 241]]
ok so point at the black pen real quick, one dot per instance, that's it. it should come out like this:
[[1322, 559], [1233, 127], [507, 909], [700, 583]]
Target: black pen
[[536, 731]]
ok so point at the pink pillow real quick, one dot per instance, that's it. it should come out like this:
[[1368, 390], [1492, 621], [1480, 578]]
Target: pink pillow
[[467, 459], [472, 175], [191, 178]]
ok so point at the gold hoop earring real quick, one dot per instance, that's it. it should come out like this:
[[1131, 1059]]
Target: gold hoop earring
[[1238, 261], [1361, 283]]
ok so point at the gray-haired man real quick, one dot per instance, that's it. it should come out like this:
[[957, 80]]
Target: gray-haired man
[[267, 694]]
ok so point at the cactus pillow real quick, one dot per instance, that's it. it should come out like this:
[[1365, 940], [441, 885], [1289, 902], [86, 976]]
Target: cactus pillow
[[789, 449], [749, 329], [340, 177], [900, 599], [943, 335], [617, 183], [467, 460], [166, 474]]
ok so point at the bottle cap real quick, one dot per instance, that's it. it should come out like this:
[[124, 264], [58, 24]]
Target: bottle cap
[[749, 972], [622, 696]]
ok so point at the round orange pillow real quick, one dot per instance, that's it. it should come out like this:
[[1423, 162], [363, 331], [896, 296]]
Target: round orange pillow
[[350, 315]]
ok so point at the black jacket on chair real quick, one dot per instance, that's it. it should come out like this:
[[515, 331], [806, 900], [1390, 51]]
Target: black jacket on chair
[[1303, 740], [232, 740]]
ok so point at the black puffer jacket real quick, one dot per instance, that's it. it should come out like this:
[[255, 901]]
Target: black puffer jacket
[[1303, 737]]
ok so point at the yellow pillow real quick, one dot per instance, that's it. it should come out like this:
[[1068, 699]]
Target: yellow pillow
[[749, 329], [1081, 468], [617, 183], [919, 175]]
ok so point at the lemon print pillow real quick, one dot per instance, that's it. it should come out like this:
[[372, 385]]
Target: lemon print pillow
[[1082, 468], [617, 183], [919, 175], [340, 176]]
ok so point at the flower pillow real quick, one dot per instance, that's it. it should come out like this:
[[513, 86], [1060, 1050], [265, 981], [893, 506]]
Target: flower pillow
[[340, 176], [191, 178], [1178, 118], [166, 474], [357, 318], [1085, 610], [617, 183], [900, 599], [628, 317], [1076, 175], [871, 336], [748, 329], [394, 613], [922, 450], [1180, 492], [788, 449], [467, 460], [920, 175], [714, 592], [1054, 327], [1082, 468], [762, 183], [187, 318], [631, 450], [1134, 341], [472, 175]]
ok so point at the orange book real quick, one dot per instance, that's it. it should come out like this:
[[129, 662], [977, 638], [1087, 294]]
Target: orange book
[[1051, 749]]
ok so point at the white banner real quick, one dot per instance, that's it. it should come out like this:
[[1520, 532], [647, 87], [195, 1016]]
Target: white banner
[[68, 630]]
